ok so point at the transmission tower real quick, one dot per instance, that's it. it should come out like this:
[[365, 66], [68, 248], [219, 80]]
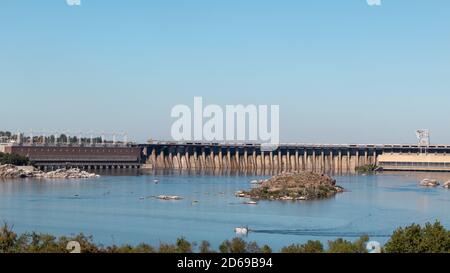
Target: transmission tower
[[423, 137]]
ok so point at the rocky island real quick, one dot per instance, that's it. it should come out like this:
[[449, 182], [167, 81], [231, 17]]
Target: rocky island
[[12, 171], [294, 186]]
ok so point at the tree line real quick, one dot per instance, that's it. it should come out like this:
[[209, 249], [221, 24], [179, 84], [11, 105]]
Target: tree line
[[431, 238], [61, 138]]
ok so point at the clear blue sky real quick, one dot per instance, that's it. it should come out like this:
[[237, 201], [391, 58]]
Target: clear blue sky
[[341, 71]]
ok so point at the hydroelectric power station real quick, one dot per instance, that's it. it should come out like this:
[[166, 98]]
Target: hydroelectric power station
[[337, 158]]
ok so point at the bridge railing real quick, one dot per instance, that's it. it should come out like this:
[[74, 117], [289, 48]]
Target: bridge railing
[[291, 144]]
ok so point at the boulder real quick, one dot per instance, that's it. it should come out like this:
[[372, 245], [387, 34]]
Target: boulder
[[11, 171], [429, 183]]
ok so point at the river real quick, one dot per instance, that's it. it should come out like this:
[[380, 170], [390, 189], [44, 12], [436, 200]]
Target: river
[[119, 208]]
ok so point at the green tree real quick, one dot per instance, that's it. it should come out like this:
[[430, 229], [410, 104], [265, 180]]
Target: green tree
[[237, 245], [433, 238], [166, 248], [43, 243], [141, 249], [183, 246], [13, 159], [343, 246], [252, 247], [8, 240], [309, 247], [205, 247], [266, 249]]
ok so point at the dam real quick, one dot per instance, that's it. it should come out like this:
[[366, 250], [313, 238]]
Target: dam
[[337, 158], [334, 158]]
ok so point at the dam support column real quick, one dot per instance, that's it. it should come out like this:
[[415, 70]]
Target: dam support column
[[280, 161], [314, 160], [288, 160], [262, 160], [332, 161], [180, 165], [270, 161], [348, 161], [161, 160], [220, 158], [153, 158], [304, 160], [357, 158], [322, 160], [170, 161], [188, 160], [212, 159], [246, 166], [204, 163]]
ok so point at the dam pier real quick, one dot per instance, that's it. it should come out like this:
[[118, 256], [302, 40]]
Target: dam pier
[[252, 157], [335, 158]]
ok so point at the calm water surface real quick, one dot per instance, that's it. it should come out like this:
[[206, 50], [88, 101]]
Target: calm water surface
[[110, 208]]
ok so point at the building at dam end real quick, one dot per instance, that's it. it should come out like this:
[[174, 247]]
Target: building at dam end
[[415, 162], [91, 157]]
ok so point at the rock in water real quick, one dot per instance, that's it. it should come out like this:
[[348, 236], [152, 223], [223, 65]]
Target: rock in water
[[11, 171], [429, 183], [294, 186], [69, 174], [169, 197]]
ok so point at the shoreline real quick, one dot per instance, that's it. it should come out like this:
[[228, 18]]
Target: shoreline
[[12, 172]]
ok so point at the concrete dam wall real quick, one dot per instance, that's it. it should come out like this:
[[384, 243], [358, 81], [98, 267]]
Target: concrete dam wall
[[253, 158]]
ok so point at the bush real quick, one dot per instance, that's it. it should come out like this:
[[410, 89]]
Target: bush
[[8, 240], [343, 246], [368, 169], [184, 246], [238, 246], [309, 247], [433, 238], [205, 247], [13, 159]]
